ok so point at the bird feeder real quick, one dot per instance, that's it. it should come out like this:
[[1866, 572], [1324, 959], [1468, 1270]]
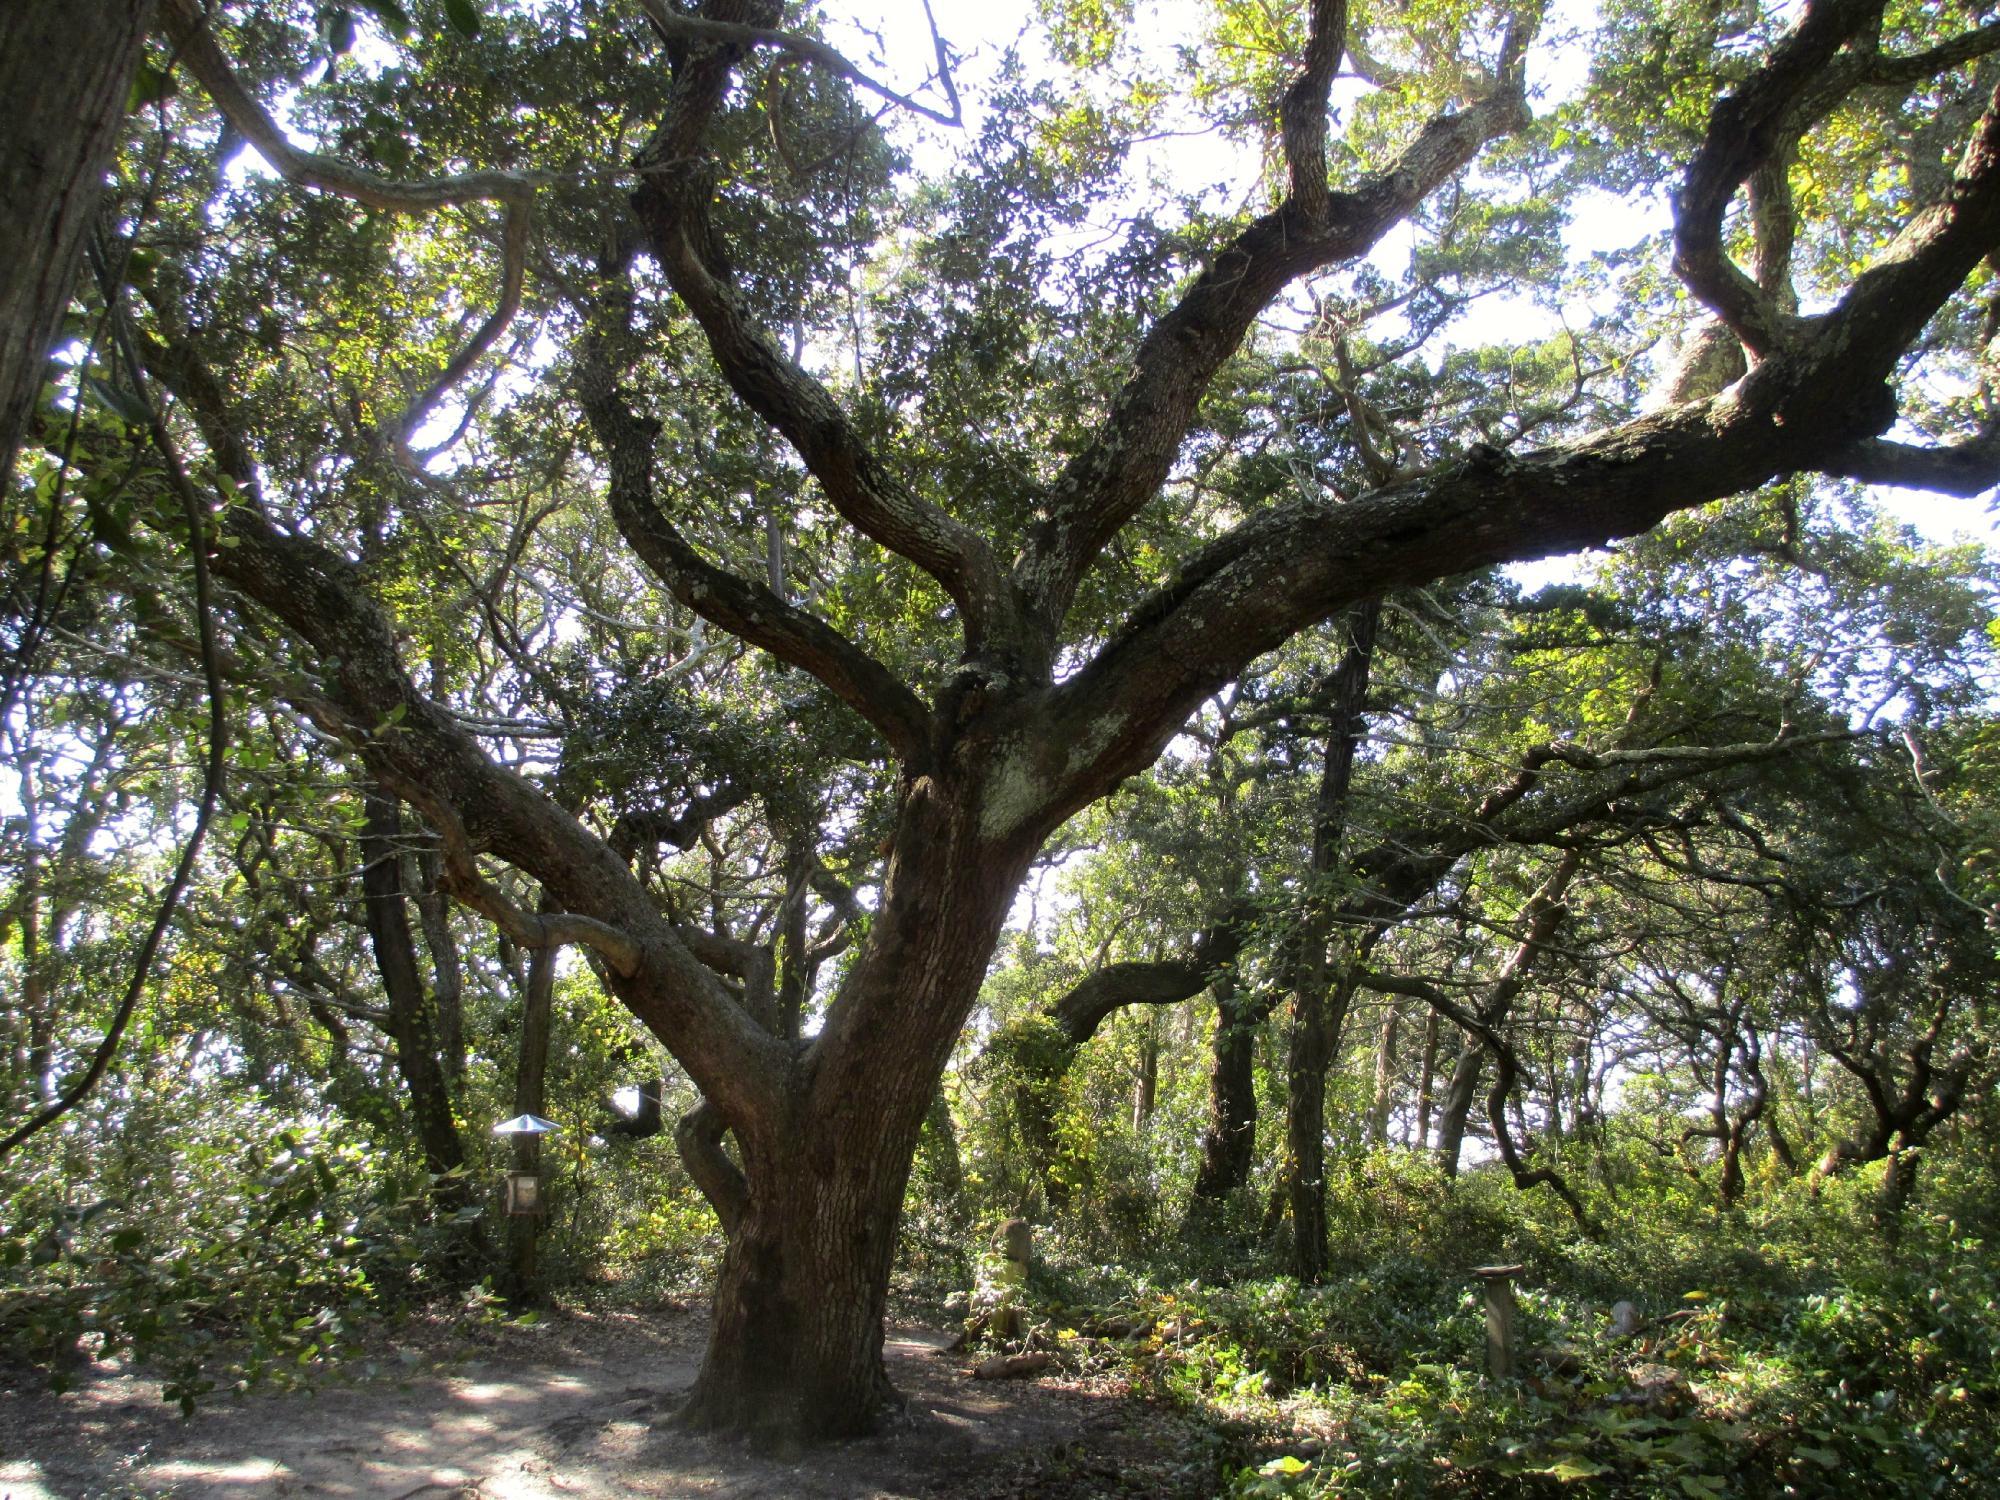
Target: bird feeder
[[524, 1182]]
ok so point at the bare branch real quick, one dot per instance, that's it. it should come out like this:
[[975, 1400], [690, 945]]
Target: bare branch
[[1134, 450], [1166, 982], [416, 749], [1964, 469], [1826, 393], [463, 881], [673, 206], [676, 27]]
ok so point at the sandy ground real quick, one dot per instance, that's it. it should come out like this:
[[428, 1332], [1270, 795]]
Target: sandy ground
[[576, 1407]]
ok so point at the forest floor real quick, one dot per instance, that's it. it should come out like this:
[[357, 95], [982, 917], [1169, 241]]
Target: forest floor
[[575, 1406]]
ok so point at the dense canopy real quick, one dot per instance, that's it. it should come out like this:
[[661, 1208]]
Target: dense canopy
[[562, 547]]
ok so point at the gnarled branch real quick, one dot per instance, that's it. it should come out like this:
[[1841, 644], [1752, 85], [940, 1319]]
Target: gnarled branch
[[673, 207], [681, 29], [1134, 449], [745, 608], [515, 191], [1749, 127]]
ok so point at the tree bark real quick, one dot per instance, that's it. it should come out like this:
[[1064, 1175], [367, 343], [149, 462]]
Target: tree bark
[[1385, 1076], [795, 1339], [1459, 1097], [1426, 1079], [940, 1143], [827, 1129], [409, 1020], [448, 985], [65, 75], [1320, 995], [795, 1343], [1230, 1137], [1316, 1030], [1146, 1085]]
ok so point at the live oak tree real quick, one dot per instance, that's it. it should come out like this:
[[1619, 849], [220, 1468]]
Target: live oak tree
[[65, 79], [965, 558]]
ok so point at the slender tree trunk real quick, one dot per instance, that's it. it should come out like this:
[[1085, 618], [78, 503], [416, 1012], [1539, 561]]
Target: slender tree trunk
[[1899, 1180], [65, 74], [1459, 1096], [1230, 1137], [1316, 1029], [1146, 1087], [1320, 996], [410, 1024], [1385, 1076], [1582, 1114], [1426, 1079], [448, 986], [530, 1098], [1544, 914], [1732, 1168], [940, 1140]]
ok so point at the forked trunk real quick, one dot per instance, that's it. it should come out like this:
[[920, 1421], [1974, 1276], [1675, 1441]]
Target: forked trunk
[[795, 1348]]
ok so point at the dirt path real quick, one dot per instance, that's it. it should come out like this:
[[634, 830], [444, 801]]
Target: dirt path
[[572, 1408]]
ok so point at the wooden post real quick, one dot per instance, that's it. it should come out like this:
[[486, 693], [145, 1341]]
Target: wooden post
[[1498, 1282], [530, 1098]]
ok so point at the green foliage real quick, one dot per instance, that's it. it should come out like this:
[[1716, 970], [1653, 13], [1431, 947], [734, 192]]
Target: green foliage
[[1769, 1364], [238, 1253]]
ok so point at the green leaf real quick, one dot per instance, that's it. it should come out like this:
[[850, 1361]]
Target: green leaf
[[150, 85], [1571, 1469], [464, 17], [390, 14], [123, 404]]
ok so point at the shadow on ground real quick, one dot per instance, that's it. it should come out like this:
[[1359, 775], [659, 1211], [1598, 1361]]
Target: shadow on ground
[[576, 1408]]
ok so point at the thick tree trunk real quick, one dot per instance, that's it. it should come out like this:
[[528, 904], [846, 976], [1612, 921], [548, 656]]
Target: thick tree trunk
[[65, 74], [795, 1344]]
